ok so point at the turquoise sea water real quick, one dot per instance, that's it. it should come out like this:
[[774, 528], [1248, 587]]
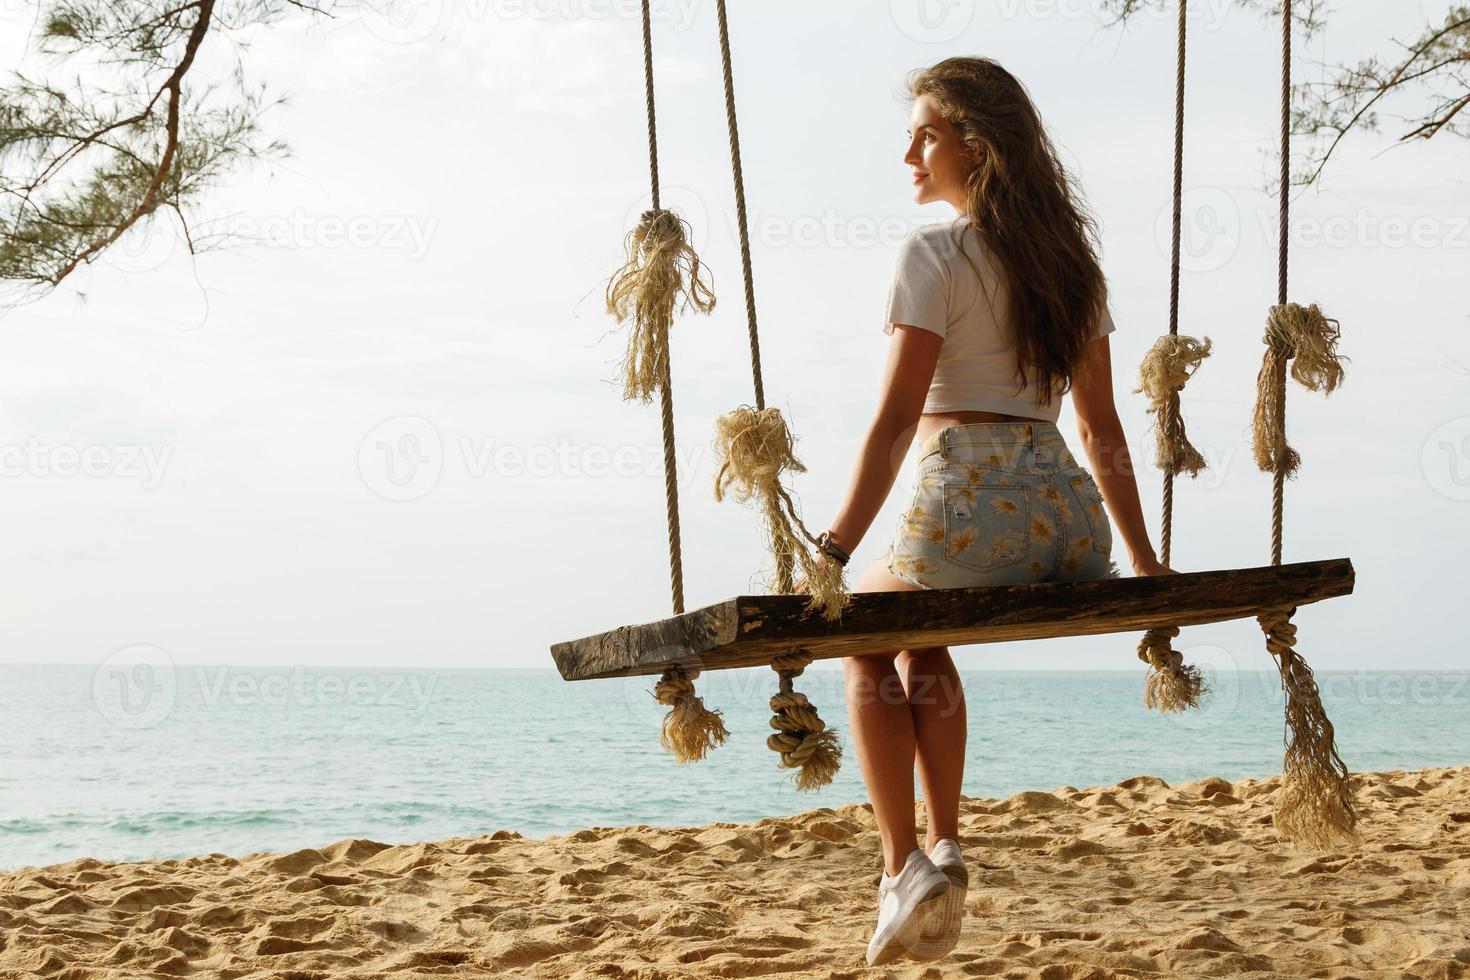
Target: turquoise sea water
[[165, 761]]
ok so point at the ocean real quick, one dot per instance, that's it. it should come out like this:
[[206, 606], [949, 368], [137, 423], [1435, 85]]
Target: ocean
[[165, 761]]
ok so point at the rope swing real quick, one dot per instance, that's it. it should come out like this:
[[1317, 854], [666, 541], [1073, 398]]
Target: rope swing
[[1315, 804], [755, 448], [1171, 685]]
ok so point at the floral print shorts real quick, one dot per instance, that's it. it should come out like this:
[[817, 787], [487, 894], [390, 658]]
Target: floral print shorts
[[1001, 503]]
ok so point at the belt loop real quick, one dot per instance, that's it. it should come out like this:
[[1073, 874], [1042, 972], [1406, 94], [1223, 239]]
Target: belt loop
[[944, 443]]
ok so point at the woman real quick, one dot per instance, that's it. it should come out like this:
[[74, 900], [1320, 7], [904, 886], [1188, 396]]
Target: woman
[[994, 316]]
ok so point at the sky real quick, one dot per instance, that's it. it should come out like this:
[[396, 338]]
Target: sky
[[387, 430]]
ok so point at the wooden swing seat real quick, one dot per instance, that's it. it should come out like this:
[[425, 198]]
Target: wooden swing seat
[[748, 630]]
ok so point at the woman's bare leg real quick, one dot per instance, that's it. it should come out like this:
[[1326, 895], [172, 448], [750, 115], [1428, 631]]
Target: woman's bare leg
[[882, 725], [881, 721], [937, 700]]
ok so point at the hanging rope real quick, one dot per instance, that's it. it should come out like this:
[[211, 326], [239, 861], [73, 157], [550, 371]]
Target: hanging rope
[[754, 443], [755, 447], [1171, 685], [802, 739], [659, 272], [1315, 805]]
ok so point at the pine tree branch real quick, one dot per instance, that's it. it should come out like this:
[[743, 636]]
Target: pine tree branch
[[165, 163]]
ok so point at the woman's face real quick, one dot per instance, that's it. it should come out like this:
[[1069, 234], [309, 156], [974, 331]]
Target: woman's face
[[938, 161]]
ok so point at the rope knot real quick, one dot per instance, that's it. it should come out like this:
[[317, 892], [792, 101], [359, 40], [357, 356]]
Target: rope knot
[[802, 739], [792, 663], [1171, 686], [659, 273], [1306, 340], [1169, 364], [754, 447], [1309, 338], [1162, 375], [672, 686], [1154, 648], [689, 729]]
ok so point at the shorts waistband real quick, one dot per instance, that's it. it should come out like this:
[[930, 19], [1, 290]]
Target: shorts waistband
[[1039, 441]]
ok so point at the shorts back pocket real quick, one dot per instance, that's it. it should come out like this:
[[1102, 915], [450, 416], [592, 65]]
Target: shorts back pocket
[[986, 525], [1090, 502]]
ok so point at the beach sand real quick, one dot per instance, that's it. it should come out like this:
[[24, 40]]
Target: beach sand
[[1140, 879]]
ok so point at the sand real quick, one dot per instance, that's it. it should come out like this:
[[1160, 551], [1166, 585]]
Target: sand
[[1140, 879]]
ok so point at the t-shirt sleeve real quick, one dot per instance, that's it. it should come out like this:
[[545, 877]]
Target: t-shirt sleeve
[[1105, 323], [919, 295]]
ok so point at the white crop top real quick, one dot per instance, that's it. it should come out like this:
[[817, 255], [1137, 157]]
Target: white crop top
[[934, 288]]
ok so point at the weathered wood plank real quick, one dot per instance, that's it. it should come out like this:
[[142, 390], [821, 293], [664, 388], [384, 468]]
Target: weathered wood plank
[[748, 630]]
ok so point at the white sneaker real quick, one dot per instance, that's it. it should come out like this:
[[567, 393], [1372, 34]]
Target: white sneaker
[[940, 932], [901, 906]]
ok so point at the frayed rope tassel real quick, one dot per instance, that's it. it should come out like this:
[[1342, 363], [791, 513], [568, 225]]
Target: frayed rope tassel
[[660, 271], [755, 448], [690, 729], [1172, 685], [1314, 807], [1308, 339], [803, 740], [1165, 369]]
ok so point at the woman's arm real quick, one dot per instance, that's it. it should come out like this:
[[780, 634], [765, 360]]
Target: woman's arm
[[1101, 434], [911, 359]]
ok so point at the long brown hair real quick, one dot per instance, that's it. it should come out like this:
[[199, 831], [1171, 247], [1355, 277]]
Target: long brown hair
[[1029, 212]]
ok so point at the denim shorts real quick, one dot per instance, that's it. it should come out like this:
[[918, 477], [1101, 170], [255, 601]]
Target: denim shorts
[[1001, 503]]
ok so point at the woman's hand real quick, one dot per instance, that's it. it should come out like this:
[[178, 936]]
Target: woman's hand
[[801, 586], [1152, 566]]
